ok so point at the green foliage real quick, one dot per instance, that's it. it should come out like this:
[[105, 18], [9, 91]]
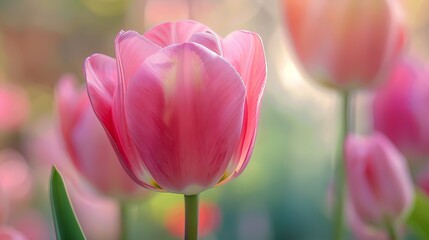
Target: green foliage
[[418, 219], [65, 222]]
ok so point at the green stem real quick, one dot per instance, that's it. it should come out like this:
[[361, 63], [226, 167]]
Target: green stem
[[390, 228], [191, 217], [340, 171], [124, 220]]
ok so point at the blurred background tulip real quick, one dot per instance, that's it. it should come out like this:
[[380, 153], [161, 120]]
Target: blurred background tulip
[[345, 44], [380, 186], [88, 145], [400, 109]]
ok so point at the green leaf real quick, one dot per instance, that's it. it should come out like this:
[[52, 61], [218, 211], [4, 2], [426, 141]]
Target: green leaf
[[66, 225], [418, 219]]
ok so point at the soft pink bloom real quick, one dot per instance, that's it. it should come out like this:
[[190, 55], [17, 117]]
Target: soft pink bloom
[[15, 177], [345, 44], [8, 233], [87, 143], [378, 180], [14, 107], [209, 218], [180, 104], [400, 108]]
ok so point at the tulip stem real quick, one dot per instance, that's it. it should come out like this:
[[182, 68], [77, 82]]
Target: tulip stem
[[340, 171], [390, 227], [124, 220], [191, 217]]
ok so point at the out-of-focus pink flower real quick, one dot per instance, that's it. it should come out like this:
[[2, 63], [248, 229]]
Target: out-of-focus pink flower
[[345, 44], [33, 225], [360, 230], [8, 233], [14, 107], [180, 104], [378, 180], [87, 143], [400, 109], [209, 218], [15, 177]]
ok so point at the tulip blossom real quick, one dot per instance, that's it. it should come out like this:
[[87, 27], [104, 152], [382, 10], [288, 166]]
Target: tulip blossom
[[87, 143], [400, 109], [180, 104], [209, 219], [345, 44], [380, 187], [8, 233]]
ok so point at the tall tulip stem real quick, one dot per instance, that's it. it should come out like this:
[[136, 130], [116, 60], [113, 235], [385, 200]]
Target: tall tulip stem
[[340, 174], [191, 217], [390, 228], [124, 220]]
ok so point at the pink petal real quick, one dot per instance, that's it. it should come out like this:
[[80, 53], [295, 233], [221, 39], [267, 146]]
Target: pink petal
[[244, 50], [170, 33], [209, 40], [132, 49], [185, 110]]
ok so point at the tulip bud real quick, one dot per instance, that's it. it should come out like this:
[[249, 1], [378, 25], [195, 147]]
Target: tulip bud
[[379, 184], [400, 108], [345, 44]]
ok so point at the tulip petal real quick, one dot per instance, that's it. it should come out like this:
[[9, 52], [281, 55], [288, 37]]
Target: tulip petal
[[185, 112], [174, 32], [101, 76], [244, 50], [132, 49], [209, 40]]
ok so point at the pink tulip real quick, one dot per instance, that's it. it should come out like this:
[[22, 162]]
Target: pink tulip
[[15, 177], [379, 183], [13, 107], [8, 233], [180, 104], [400, 108], [87, 143], [345, 44]]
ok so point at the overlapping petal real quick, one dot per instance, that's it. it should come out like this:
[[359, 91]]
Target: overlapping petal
[[174, 32], [244, 50], [185, 107]]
